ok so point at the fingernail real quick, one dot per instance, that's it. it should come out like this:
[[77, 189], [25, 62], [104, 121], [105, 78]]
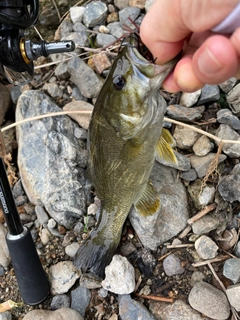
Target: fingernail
[[207, 62]]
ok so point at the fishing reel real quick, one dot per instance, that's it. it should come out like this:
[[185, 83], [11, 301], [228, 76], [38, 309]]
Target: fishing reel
[[16, 53]]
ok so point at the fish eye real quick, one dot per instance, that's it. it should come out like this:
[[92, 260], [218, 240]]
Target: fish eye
[[118, 82]]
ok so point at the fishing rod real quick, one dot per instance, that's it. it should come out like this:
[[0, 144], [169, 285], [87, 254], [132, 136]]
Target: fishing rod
[[16, 59]]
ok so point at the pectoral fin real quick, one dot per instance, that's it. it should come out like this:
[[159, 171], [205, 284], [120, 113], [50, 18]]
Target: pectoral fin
[[164, 149], [149, 202]]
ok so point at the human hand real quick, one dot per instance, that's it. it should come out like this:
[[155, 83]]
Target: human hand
[[173, 25]]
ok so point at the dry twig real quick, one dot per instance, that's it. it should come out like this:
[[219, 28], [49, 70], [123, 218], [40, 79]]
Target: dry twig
[[155, 298], [217, 259], [202, 213], [179, 246]]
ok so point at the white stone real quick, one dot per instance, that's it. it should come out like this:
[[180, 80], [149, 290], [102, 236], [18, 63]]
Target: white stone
[[76, 14], [233, 294], [71, 249], [206, 196], [189, 99], [202, 146], [120, 276]]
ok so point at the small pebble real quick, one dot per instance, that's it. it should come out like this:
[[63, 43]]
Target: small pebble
[[206, 247], [231, 269], [60, 301], [172, 265]]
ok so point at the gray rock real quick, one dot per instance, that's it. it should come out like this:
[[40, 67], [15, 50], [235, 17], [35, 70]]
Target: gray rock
[[148, 4], [41, 215], [229, 185], [206, 196], [233, 98], [15, 93], [5, 258], [62, 276], [173, 214], [209, 300], [226, 132], [202, 146], [82, 32], [5, 101], [2, 271], [102, 293], [53, 89], [233, 294], [237, 250], [95, 14], [180, 113], [80, 299], [45, 236], [196, 277], [185, 137], [84, 77], [87, 280], [50, 159], [227, 85], [183, 163], [206, 248], [5, 316], [120, 4], [76, 94], [61, 71], [80, 133], [189, 175], [104, 40], [115, 29], [225, 116], [172, 265], [178, 310], [63, 314], [209, 93], [120, 276], [189, 99], [128, 12], [76, 13], [72, 248], [201, 164], [51, 224], [231, 269], [65, 28], [82, 119], [60, 301], [131, 309], [205, 224], [79, 38]]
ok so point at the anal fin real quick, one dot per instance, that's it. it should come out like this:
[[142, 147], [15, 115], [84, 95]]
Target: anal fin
[[149, 202]]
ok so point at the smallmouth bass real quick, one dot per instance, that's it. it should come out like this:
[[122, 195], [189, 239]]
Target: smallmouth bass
[[125, 136]]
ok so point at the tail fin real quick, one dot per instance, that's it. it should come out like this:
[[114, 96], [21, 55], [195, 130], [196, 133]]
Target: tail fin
[[94, 256]]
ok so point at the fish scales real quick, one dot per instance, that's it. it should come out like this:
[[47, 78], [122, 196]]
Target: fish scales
[[124, 131]]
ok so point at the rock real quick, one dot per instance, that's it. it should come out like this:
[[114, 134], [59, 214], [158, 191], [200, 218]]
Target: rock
[[51, 224], [209, 93], [183, 163], [201, 164], [45, 236], [120, 4], [233, 98], [231, 269], [237, 250], [189, 175], [76, 14], [89, 281], [80, 133], [228, 239], [126, 13], [225, 116], [227, 85], [120, 276], [206, 196], [101, 62], [94, 14], [115, 29], [5, 101], [63, 314], [5, 316], [202, 146], [104, 40], [173, 214], [82, 119], [149, 4], [81, 30], [189, 99], [233, 294], [137, 3], [196, 277], [178, 310], [229, 185], [41, 215], [180, 113], [62, 276], [71, 249], [172, 265], [185, 137], [131, 309], [226, 132], [103, 293], [80, 298], [206, 248], [209, 300], [60, 301], [65, 28], [48, 18], [2, 271], [205, 224], [112, 17], [79, 38], [144, 261], [84, 77], [5, 258], [50, 159], [61, 71]]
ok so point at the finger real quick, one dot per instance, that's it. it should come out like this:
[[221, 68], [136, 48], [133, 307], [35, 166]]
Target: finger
[[235, 39], [215, 61]]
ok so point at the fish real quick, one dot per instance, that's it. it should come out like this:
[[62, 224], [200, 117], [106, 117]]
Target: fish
[[126, 135]]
